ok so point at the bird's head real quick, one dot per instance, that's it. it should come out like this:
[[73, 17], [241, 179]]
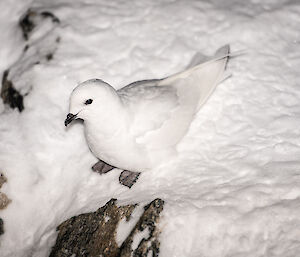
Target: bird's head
[[88, 99]]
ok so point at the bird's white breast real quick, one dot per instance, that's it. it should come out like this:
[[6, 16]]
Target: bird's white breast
[[117, 148]]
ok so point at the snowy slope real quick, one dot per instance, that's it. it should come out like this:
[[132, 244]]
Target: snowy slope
[[235, 188]]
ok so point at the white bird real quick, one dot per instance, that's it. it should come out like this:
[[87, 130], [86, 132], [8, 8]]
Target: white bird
[[139, 126]]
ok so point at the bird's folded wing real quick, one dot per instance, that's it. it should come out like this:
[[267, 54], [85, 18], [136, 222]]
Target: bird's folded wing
[[164, 109], [203, 77], [149, 106]]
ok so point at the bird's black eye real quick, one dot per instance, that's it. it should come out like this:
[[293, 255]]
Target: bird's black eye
[[89, 101]]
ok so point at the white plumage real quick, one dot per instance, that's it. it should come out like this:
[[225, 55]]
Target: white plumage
[[138, 127]]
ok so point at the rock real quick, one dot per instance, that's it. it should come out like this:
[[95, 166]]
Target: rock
[[4, 201], [148, 243], [32, 18], [38, 28], [94, 234], [9, 94], [3, 179], [1, 227], [91, 233]]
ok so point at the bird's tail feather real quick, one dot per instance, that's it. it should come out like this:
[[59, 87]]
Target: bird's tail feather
[[199, 82]]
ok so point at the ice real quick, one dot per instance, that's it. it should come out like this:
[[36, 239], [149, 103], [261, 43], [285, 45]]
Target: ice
[[234, 190]]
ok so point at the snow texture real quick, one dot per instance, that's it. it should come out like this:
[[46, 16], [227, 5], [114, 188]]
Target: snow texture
[[235, 188], [139, 237], [125, 227]]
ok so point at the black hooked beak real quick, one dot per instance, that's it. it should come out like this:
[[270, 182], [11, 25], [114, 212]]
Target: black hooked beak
[[70, 118]]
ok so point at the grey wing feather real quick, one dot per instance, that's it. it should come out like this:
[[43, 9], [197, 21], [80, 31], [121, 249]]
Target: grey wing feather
[[148, 105], [164, 109]]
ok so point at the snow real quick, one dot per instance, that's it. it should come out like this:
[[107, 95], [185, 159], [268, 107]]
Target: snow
[[235, 188], [125, 227], [138, 237]]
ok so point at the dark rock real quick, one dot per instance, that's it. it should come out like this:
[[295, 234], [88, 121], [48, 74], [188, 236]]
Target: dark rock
[[3, 179], [46, 14], [9, 94], [38, 49], [1, 227], [30, 19], [49, 56], [25, 48], [4, 201], [150, 243], [26, 23], [91, 234], [94, 234]]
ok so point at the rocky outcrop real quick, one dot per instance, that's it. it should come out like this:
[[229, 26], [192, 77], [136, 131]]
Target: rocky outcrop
[[4, 201], [38, 28], [9, 94], [1, 227], [94, 234], [149, 244], [33, 18]]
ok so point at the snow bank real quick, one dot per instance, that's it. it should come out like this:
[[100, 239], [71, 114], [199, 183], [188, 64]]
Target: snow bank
[[235, 188]]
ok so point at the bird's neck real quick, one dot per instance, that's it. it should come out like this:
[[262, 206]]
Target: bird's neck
[[109, 120]]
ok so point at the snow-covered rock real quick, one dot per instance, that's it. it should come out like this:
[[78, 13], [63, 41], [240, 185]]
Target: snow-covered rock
[[96, 233]]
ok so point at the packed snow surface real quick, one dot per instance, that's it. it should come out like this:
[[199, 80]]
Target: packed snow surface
[[235, 188]]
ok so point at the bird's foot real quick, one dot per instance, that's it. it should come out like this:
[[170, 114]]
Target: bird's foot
[[128, 178], [102, 167]]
